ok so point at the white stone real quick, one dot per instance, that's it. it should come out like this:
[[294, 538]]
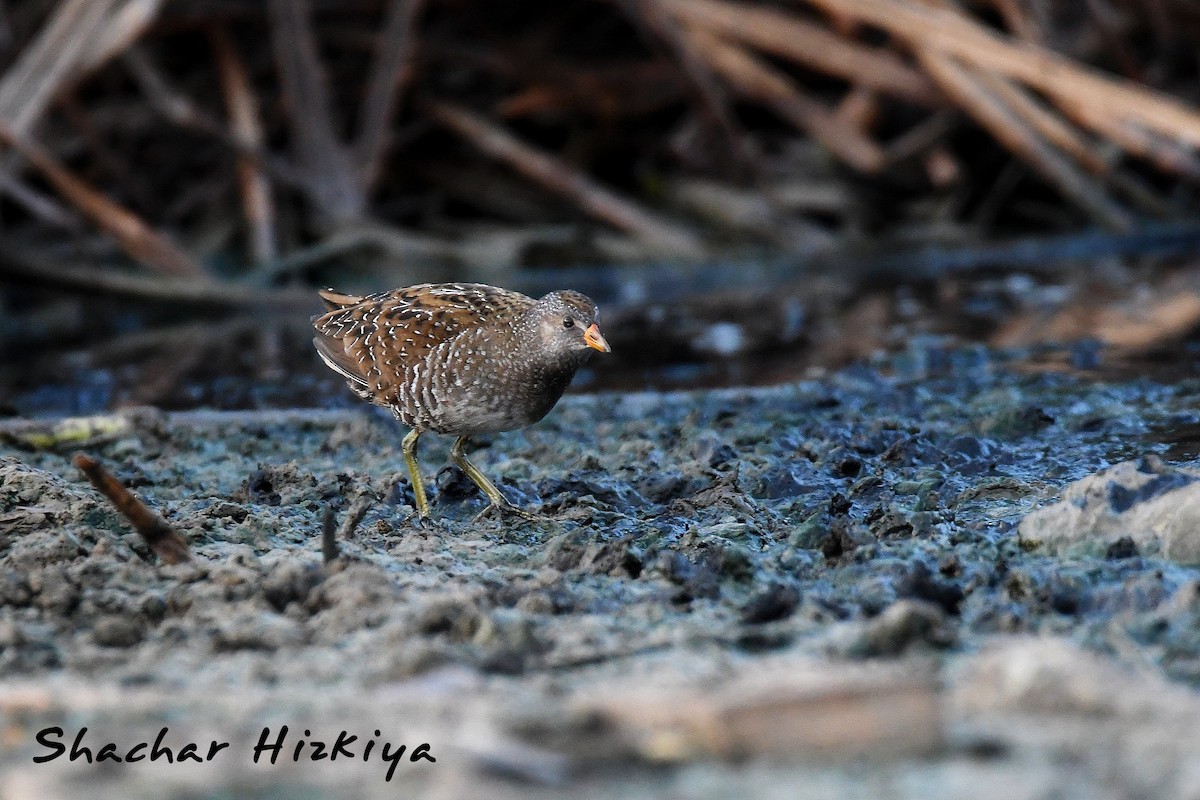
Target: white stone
[[1158, 507]]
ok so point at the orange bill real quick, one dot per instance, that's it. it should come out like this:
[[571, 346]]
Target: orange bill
[[595, 339]]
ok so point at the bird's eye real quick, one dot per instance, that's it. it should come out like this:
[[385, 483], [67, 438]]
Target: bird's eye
[[568, 322]]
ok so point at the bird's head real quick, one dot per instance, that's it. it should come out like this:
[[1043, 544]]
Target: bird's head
[[566, 323]]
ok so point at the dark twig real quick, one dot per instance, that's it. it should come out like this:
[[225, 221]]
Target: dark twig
[[38, 204], [242, 105], [166, 543], [790, 37], [658, 234], [945, 30], [329, 545], [358, 509], [991, 111], [754, 78], [390, 74], [713, 98], [335, 189], [136, 238], [180, 110], [22, 267], [50, 61]]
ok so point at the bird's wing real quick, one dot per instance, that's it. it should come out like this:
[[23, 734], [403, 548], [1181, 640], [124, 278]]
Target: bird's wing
[[373, 341]]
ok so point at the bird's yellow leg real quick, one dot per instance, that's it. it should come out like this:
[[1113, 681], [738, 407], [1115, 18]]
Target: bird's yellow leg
[[409, 446], [498, 501]]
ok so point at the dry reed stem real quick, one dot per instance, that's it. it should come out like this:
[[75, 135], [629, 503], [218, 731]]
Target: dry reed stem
[[990, 111], [1058, 77], [140, 241], [242, 107], [49, 62], [1050, 125], [754, 79], [656, 233], [390, 75], [333, 185], [782, 34]]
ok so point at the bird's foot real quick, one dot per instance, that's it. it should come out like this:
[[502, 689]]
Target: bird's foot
[[502, 507]]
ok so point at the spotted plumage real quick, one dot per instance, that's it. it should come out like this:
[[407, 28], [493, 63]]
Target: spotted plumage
[[458, 358]]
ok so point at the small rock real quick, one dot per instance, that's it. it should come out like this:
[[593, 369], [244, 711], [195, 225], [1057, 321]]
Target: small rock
[[236, 581], [789, 480], [290, 581], [227, 510], [564, 552], [11, 634], [55, 592], [874, 594], [1124, 547], [661, 485], [902, 625], [1185, 600], [776, 602], [453, 486], [950, 565], [844, 536], [509, 641], [117, 631], [27, 648], [731, 562], [922, 584], [260, 488], [696, 581], [812, 533], [577, 551], [356, 586], [890, 522], [848, 467], [709, 449], [1045, 675], [537, 602], [611, 558], [1155, 506], [14, 589], [416, 657], [460, 617], [248, 629]]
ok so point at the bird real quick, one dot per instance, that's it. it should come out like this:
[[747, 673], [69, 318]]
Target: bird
[[458, 358]]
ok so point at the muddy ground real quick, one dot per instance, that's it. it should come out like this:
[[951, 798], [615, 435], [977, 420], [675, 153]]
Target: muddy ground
[[810, 590]]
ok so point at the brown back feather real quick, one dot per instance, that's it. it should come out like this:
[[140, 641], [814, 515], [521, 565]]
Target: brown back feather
[[334, 300], [374, 341]]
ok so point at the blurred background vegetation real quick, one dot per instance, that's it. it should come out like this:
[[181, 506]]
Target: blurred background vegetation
[[754, 190]]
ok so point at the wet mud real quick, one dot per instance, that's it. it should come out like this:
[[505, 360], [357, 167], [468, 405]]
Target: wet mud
[[852, 523]]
